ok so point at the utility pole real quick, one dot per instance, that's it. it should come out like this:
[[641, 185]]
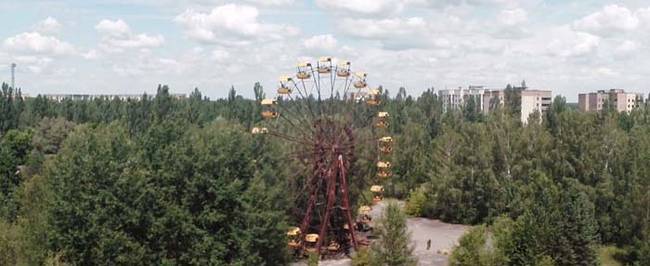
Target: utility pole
[[13, 75]]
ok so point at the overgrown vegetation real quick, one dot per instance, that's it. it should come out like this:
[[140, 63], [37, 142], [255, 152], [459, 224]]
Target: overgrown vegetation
[[180, 181]]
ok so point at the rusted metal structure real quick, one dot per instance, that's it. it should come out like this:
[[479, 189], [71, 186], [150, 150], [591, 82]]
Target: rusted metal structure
[[317, 108]]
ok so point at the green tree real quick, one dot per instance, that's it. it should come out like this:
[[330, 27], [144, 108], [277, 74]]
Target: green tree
[[471, 249], [471, 109], [416, 202], [512, 100], [14, 148], [8, 244], [175, 195], [393, 247]]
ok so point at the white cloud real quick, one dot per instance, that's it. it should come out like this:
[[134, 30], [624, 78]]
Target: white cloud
[[91, 54], [511, 24], [48, 26], [220, 55], [382, 28], [117, 36], [271, 2], [605, 71], [612, 19], [230, 24], [643, 15], [367, 7], [512, 17], [145, 64], [325, 42], [137, 41], [117, 28], [627, 47], [34, 42], [574, 44], [35, 64], [481, 3]]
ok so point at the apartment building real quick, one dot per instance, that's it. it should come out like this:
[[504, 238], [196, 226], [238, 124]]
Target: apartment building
[[534, 101], [456, 98], [531, 101], [123, 97], [493, 99], [617, 98]]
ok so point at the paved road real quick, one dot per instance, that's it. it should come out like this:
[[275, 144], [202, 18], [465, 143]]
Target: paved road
[[443, 237]]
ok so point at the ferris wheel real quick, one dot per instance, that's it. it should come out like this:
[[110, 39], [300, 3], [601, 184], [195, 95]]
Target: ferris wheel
[[321, 108]]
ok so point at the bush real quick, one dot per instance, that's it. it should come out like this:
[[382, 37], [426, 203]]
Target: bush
[[471, 249], [312, 259], [416, 201], [545, 261], [8, 244], [363, 257]]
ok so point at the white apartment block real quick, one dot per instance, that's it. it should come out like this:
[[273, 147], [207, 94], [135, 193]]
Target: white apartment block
[[534, 101], [456, 98], [531, 101], [89, 97]]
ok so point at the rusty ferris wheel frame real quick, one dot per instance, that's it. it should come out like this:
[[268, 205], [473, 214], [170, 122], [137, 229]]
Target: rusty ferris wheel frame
[[316, 106]]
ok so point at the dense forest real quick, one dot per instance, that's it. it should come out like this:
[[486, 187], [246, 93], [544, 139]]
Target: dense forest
[[182, 181]]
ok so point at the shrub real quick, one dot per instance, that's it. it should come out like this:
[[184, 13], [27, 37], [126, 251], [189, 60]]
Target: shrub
[[416, 201], [363, 257]]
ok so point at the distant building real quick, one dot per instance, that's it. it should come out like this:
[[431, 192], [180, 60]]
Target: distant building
[[123, 97], [534, 101], [456, 98], [493, 99], [531, 101], [617, 98]]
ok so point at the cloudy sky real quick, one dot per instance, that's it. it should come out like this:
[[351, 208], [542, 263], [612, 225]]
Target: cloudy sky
[[130, 46]]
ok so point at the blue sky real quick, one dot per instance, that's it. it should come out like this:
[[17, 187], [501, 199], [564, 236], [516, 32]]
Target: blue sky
[[120, 46]]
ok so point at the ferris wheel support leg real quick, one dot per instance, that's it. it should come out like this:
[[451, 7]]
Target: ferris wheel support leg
[[331, 193], [310, 207], [313, 184], [346, 201]]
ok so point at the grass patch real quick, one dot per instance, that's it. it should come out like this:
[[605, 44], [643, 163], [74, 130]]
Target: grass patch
[[610, 256]]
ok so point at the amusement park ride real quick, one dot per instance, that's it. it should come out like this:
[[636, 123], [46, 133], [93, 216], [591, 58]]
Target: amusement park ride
[[321, 107]]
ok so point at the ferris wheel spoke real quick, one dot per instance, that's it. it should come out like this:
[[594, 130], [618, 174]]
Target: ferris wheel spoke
[[332, 82], [302, 113], [288, 137], [316, 76], [306, 96], [297, 128], [318, 100], [346, 89], [300, 92], [295, 114]]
